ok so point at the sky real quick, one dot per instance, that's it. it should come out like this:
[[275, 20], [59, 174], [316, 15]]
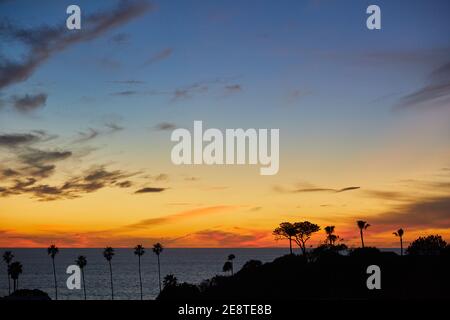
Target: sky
[[86, 117]]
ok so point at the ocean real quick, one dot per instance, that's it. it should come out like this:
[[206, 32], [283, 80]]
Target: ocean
[[190, 265]]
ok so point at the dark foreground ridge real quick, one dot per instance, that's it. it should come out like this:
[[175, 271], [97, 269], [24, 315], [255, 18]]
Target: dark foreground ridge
[[26, 294], [326, 275]]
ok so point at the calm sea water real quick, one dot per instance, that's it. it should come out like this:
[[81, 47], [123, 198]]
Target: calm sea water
[[190, 265]]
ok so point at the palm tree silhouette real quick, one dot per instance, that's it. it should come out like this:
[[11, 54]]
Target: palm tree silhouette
[[7, 257], [157, 249], [331, 238], [82, 262], [139, 251], [362, 225], [52, 252], [399, 234], [228, 266], [15, 269], [170, 281], [108, 253]]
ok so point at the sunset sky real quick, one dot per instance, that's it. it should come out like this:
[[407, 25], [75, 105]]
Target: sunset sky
[[86, 117]]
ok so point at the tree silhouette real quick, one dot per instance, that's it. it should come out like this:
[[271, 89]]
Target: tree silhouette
[[399, 233], [157, 249], [331, 237], [304, 230], [108, 253], [52, 251], [139, 251], [7, 257], [82, 262], [228, 266], [427, 246], [362, 225], [15, 269], [170, 281], [286, 230]]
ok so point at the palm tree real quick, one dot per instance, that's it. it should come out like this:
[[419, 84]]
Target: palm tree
[[7, 257], [108, 253], [15, 269], [228, 266], [157, 249], [331, 238], [170, 281], [399, 234], [362, 225], [52, 252], [82, 262], [139, 251]]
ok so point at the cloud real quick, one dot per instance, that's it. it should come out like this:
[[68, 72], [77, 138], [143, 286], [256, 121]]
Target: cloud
[[179, 216], [9, 173], [125, 93], [87, 136], [129, 82], [43, 42], [18, 140], [233, 88], [90, 181], [348, 189], [91, 134], [311, 188], [220, 238], [165, 126], [28, 103], [159, 56], [120, 38], [124, 184], [436, 92], [431, 212], [150, 190], [113, 127], [35, 156]]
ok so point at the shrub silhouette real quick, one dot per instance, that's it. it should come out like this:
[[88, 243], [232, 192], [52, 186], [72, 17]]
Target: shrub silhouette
[[427, 246]]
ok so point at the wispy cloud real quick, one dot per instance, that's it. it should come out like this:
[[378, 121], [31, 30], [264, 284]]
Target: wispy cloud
[[159, 56], [311, 188], [43, 42], [433, 212], [149, 190], [435, 92], [165, 126], [28, 103], [180, 216]]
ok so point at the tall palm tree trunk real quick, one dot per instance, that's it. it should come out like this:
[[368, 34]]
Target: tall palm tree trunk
[[84, 283], [112, 287], [159, 274], [54, 278], [362, 238], [140, 277], [14, 285], [9, 280], [401, 246]]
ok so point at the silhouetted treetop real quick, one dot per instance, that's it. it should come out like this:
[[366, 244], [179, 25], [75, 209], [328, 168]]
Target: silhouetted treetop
[[427, 246]]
